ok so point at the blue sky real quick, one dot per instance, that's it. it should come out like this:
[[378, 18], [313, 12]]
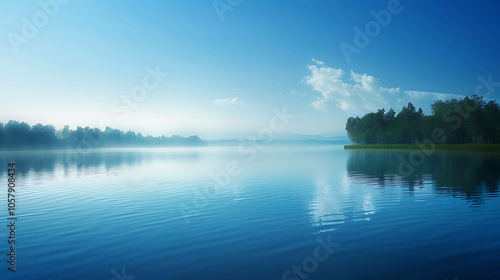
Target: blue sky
[[226, 75]]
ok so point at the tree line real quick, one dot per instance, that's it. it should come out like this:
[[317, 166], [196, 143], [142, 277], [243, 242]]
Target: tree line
[[469, 120], [20, 135]]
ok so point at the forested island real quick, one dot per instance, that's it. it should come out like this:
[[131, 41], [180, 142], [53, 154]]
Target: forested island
[[470, 120], [16, 135]]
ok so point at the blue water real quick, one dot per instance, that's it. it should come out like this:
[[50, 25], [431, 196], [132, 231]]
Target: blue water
[[159, 214]]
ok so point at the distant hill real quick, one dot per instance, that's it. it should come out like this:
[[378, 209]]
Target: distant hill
[[327, 138], [340, 136]]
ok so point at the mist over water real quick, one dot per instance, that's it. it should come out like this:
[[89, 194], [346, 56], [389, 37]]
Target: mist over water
[[83, 217]]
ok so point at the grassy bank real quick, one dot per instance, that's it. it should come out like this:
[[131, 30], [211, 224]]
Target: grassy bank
[[460, 147]]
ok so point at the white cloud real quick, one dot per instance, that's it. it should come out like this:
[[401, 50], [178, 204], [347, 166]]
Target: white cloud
[[424, 94], [228, 101], [320, 105], [361, 93], [319, 62]]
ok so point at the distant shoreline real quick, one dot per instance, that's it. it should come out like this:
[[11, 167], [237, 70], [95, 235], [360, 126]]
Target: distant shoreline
[[459, 147], [206, 143]]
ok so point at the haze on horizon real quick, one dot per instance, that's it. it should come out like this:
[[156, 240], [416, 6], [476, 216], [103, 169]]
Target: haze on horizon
[[184, 67]]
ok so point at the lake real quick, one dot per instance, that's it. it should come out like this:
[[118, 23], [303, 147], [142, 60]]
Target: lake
[[277, 212]]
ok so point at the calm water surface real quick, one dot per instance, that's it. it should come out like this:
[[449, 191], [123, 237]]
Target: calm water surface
[[159, 214]]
